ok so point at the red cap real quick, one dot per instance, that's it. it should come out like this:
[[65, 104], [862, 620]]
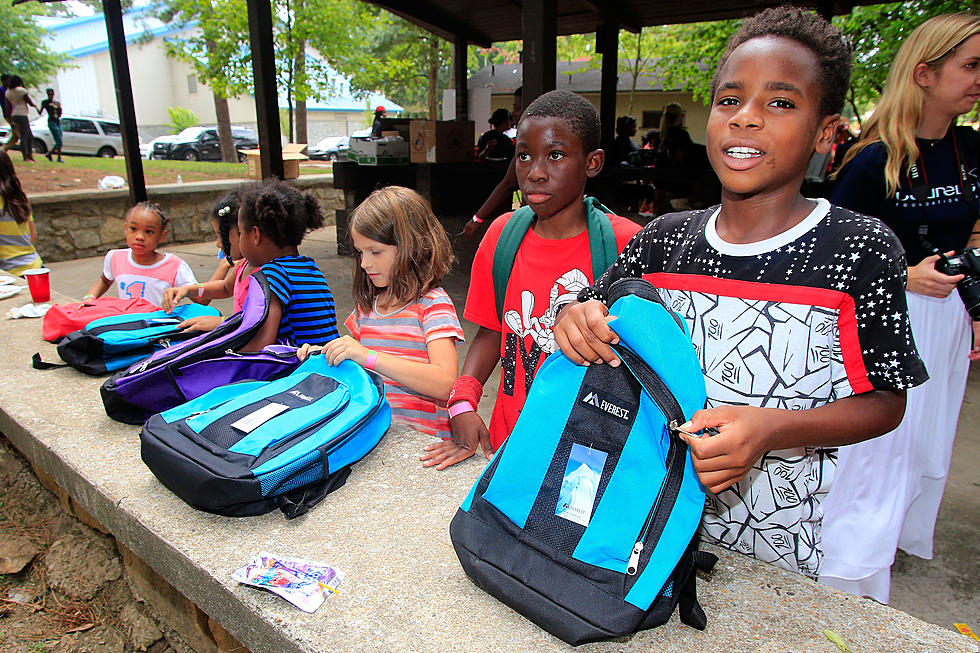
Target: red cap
[[380, 109]]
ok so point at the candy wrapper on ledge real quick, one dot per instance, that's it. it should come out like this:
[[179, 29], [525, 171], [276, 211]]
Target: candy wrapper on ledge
[[303, 583]]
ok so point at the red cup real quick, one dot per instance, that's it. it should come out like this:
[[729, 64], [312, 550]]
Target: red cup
[[39, 283]]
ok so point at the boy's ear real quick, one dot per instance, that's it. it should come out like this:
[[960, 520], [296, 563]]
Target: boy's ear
[[594, 161], [826, 133]]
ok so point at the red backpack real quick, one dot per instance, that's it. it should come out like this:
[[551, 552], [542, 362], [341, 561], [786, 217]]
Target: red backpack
[[62, 319]]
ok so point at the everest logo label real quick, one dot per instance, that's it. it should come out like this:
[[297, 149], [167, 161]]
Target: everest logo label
[[300, 395], [602, 402]]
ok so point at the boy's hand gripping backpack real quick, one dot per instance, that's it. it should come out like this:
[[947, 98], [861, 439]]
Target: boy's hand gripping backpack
[[250, 447], [190, 368], [585, 521], [112, 343], [62, 319]]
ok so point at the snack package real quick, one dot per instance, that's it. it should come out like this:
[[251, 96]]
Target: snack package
[[304, 583]]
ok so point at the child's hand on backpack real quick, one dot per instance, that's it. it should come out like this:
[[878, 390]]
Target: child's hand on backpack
[[172, 297], [306, 350], [725, 458], [582, 331], [345, 348], [469, 432], [201, 323]]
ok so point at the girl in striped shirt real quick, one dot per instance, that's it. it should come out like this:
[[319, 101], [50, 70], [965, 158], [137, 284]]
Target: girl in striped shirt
[[404, 325]]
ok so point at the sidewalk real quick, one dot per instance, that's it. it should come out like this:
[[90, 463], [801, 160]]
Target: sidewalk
[[943, 591]]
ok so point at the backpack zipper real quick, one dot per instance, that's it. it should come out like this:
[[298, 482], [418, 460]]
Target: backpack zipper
[[657, 519]]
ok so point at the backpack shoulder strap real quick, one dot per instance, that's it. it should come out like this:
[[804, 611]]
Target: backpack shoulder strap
[[511, 237], [602, 238]]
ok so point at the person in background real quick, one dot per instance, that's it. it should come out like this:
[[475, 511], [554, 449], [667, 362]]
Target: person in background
[[501, 197], [672, 134], [623, 145], [915, 170], [53, 107], [17, 231], [14, 136], [19, 101], [493, 144], [379, 113]]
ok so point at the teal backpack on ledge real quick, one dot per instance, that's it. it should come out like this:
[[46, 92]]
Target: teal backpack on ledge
[[585, 521], [116, 342]]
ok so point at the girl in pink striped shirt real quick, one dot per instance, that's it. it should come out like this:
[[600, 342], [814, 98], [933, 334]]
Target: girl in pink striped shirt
[[404, 325]]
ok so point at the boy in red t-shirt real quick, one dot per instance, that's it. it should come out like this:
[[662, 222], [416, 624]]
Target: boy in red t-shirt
[[557, 151]]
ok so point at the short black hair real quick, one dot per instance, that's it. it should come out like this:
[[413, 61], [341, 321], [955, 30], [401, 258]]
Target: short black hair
[[16, 81], [832, 49], [578, 112], [499, 117], [281, 212], [625, 124]]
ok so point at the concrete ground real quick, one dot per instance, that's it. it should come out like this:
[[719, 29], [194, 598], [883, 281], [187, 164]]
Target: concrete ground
[[943, 591]]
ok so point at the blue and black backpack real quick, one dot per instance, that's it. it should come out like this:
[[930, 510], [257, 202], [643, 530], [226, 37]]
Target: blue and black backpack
[[585, 521], [250, 447], [116, 342]]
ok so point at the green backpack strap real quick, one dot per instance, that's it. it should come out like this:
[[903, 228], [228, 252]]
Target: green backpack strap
[[602, 245]]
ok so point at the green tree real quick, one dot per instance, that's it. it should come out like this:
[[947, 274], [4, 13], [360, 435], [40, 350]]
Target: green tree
[[389, 55], [22, 50]]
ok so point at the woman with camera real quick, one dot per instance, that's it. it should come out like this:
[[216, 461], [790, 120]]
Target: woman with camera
[[917, 171]]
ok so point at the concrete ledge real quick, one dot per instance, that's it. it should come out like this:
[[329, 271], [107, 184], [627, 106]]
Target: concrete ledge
[[388, 530]]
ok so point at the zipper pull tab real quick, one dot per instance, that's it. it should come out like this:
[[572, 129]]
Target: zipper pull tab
[[232, 352], [634, 562], [143, 365], [164, 342]]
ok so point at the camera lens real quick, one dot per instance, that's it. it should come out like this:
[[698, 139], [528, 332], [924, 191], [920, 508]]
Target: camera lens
[[969, 290]]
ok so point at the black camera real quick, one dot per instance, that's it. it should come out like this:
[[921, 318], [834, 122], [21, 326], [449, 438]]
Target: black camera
[[966, 263]]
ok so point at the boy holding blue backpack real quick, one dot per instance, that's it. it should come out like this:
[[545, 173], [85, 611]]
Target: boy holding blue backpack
[[796, 308]]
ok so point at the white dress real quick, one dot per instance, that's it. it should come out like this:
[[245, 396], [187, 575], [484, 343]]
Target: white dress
[[887, 491]]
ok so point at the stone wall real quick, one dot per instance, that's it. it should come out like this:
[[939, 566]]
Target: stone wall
[[77, 224]]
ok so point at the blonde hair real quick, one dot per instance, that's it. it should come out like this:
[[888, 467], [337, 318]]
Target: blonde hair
[[401, 217], [899, 111]]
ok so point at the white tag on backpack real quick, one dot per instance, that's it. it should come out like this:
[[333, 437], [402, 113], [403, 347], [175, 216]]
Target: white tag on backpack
[[257, 418], [580, 484]]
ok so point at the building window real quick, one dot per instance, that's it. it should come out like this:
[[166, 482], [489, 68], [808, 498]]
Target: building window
[[192, 84], [651, 118]]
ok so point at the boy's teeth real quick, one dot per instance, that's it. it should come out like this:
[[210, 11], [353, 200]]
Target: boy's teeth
[[742, 152]]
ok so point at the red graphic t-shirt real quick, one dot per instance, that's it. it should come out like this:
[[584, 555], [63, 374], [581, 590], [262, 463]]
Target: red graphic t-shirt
[[546, 274]]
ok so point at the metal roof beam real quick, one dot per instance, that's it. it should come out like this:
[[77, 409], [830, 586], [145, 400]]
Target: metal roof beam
[[617, 12]]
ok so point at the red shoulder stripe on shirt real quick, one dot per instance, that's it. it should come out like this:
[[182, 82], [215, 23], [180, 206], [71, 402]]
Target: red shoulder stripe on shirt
[[857, 373]]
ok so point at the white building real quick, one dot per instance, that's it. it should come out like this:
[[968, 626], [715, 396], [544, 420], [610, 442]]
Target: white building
[[85, 86]]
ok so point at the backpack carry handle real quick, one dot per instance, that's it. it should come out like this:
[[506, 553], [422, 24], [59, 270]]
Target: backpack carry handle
[[643, 289]]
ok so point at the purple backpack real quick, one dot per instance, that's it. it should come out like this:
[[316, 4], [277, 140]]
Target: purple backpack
[[188, 369]]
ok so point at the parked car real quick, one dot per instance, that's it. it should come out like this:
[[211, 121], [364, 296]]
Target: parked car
[[163, 144], [146, 149], [80, 135], [331, 148], [203, 145]]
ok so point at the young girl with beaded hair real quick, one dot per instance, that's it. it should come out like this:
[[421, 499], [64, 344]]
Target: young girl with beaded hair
[[917, 171]]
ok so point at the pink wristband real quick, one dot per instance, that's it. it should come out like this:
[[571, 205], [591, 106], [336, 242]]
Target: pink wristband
[[371, 359], [461, 407]]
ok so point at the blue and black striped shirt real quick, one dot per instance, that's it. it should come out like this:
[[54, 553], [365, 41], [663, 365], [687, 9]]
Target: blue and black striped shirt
[[307, 304]]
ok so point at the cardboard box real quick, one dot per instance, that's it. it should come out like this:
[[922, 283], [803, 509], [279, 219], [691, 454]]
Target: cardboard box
[[446, 141], [367, 152], [292, 154]]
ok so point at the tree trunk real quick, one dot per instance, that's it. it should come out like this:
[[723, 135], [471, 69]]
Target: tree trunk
[[433, 78], [300, 65], [228, 152], [226, 141]]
